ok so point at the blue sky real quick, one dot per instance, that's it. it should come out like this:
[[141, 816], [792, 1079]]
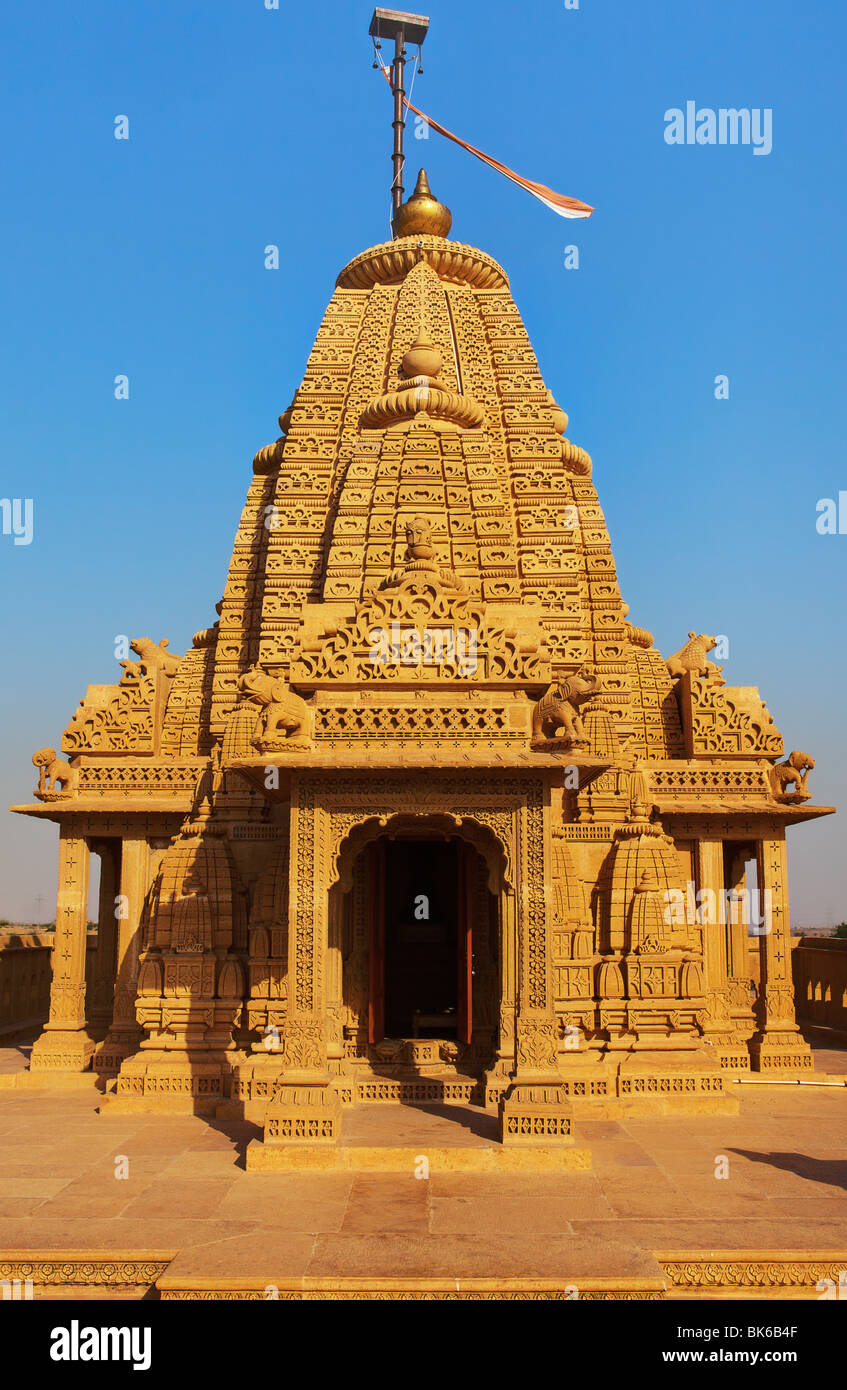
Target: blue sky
[[251, 126]]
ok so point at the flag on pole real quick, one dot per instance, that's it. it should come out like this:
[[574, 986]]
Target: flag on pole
[[559, 203]]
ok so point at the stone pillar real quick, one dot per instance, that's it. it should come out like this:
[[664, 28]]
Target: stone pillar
[[102, 982], [738, 941], [306, 1107], [125, 1033], [334, 980], [65, 1044], [738, 952], [711, 884], [497, 1079], [535, 1108], [778, 1044]]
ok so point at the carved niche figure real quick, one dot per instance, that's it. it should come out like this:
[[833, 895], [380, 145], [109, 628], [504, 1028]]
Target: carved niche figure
[[692, 657], [419, 539], [56, 777], [794, 771], [152, 655], [284, 714], [558, 708], [422, 566], [647, 931]]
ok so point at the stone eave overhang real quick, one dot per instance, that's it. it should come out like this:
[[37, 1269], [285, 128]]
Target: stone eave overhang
[[105, 806], [553, 768], [742, 808], [374, 759]]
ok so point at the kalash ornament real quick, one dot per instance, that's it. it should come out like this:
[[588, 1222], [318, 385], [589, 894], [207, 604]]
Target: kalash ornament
[[422, 214]]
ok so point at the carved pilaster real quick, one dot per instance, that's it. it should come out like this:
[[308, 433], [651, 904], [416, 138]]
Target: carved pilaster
[[65, 1045], [304, 1107], [535, 1108], [778, 1044]]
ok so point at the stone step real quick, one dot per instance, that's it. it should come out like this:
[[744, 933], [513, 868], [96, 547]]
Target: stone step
[[387, 1158], [448, 1088]]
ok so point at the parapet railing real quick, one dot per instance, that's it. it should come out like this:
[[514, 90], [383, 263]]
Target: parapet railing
[[820, 982], [25, 972]]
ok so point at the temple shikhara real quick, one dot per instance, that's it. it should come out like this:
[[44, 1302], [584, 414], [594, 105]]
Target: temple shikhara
[[422, 816]]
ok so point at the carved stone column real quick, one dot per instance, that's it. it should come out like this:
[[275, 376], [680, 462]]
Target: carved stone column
[[711, 884], [535, 1109], [125, 1033], [778, 1044], [65, 1044], [497, 1079], [305, 1108], [334, 981], [741, 995], [102, 982]]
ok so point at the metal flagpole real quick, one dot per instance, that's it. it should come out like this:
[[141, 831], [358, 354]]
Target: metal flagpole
[[403, 28], [399, 122]]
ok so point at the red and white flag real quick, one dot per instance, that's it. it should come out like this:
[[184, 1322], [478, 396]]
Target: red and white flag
[[559, 203]]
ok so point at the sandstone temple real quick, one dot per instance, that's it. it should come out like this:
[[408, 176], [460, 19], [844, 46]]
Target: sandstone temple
[[422, 816]]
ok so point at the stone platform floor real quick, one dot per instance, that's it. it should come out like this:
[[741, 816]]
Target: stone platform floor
[[651, 1194]]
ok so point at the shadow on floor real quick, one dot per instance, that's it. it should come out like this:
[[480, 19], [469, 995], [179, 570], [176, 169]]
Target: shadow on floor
[[832, 1171], [478, 1121], [240, 1132]]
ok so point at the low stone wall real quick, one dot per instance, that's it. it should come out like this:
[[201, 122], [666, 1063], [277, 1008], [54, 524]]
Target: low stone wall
[[820, 982], [25, 972]]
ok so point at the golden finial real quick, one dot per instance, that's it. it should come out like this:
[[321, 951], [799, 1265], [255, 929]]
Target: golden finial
[[422, 215]]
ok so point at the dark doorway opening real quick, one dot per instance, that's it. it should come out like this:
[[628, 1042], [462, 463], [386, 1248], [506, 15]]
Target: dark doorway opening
[[420, 929]]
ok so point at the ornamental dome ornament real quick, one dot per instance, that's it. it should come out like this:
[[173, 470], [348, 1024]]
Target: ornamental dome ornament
[[422, 214], [420, 395]]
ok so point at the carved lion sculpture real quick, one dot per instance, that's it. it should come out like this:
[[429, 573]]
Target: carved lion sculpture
[[692, 657], [153, 654], [558, 708], [55, 775], [794, 771]]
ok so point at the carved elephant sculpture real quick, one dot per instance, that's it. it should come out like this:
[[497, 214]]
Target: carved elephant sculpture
[[794, 771], [559, 707], [54, 773]]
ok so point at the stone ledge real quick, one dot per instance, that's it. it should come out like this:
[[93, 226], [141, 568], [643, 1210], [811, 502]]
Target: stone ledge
[[749, 1273], [364, 1290], [372, 1158], [90, 1269]]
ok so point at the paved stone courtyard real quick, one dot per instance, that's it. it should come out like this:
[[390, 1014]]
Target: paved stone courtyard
[[651, 1189]]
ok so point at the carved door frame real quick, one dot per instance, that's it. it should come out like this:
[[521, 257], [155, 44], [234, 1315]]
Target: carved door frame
[[333, 816]]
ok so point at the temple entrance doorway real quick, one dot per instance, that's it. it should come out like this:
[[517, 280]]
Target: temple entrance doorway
[[420, 944], [421, 939], [423, 923]]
